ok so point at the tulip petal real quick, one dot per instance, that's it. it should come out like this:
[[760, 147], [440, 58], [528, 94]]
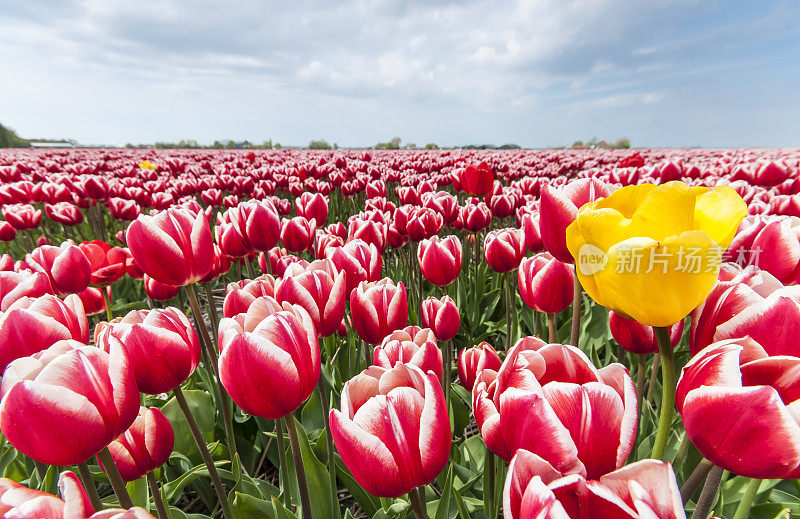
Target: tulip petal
[[719, 211]]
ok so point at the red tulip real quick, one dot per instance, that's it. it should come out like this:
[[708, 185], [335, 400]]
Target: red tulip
[[420, 350], [372, 232], [477, 180], [174, 247], [530, 229], [221, 265], [646, 489], [378, 308], [64, 213], [589, 415], [15, 285], [502, 205], [471, 361], [504, 249], [161, 345], [751, 304], [65, 420], [93, 302], [66, 266], [240, 295], [770, 243], [321, 292], [145, 446], [22, 216], [423, 223], [6, 262], [17, 501], [442, 316], [737, 404], [475, 217], [298, 233], [7, 232], [440, 259], [125, 210], [312, 205], [158, 291], [558, 208], [546, 284], [271, 370], [358, 260], [32, 325], [638, 338], [393, 431], [108, 263]]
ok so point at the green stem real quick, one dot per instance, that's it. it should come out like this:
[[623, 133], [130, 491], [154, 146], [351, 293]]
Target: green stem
[[283, 471], [211, 306], [488, 484], [747, 499], [153, 484], [329, 444], [667, 392], [201, 445], [88, 483], [551, 328], [212, 353], [507, 283], [115, 479], [575, 332], [299, 468], [416, 504], [104, 291]]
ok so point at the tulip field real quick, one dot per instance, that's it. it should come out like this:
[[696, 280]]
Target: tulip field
[[526, 334]]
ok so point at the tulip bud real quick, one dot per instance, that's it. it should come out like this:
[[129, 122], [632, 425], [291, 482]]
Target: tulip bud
[[504, 249], [298, 233], [422, 352], [271, 370], [638, 338], [108, 264], [144, 447], [442, 316], [546, 284], [377, 308], [161, 345], [471, 361], [440, 259], [66, 266], [174, 247]]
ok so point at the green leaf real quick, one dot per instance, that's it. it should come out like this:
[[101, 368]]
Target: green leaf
[[317, 475], [244, 506], [280, 511], [139, 492], [443, 509], [202, 407]]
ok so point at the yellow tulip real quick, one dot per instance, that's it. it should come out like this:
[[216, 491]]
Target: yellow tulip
[[652, 252]]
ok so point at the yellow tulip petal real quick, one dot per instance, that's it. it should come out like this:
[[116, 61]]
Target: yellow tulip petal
[[603, 227], [719, 211], [655, 283], [668, 210], [626, 199]]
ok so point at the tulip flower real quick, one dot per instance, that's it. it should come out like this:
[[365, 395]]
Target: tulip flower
[[18, 501], [312, 206], [15, 285], [504, 249], [125, 210], [32, 325], [476, 180], [377, 308], [271, 370], [393, 437], [440, 259], [320, 292], [22, 216], [545, 283], [737, 405], [240, 295], [93, 302], [646, 489], [66, 266], [64, 213], [7, 232], [442, 316], [551, 400], [158, 291], [638, 338], [174, 247], [161, 345], [530, 230], [678, 257], [298, 233], [108, 263], [423, 223], [358, 260], [145, 446], [424, 354], [374, 233], [65, 420], [471, 361], [559, 208], [772, 244], [475, 217]]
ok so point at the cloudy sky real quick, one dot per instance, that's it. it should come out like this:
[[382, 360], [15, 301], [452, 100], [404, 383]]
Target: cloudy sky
[[536, 73]]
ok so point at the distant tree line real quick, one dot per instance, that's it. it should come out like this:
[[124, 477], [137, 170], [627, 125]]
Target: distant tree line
[[623, 143], [10, 139]]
